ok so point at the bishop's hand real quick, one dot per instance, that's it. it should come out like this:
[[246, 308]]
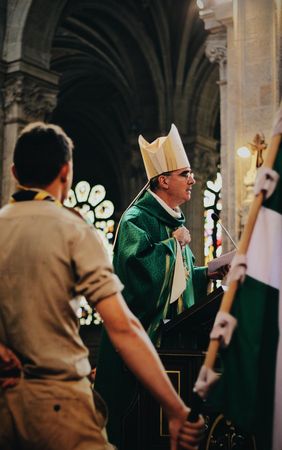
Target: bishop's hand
[[220, 273], [182, 235]]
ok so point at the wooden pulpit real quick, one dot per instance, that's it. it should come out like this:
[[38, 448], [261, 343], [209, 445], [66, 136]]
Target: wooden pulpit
[[184, 342]]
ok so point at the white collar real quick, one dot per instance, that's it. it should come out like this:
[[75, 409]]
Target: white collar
[[171, 212]]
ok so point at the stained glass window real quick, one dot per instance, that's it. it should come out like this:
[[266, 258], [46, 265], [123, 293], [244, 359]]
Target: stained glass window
[[93, 206], [86, 314], [97, 210], [212, 228]]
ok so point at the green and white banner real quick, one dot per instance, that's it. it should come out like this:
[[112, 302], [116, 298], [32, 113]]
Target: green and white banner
[[250, 389]]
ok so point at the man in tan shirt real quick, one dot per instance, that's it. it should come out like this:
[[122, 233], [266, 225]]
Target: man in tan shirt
[[48, 257]]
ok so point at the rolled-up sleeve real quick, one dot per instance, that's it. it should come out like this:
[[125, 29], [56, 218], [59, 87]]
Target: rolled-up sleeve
[[94, 274]]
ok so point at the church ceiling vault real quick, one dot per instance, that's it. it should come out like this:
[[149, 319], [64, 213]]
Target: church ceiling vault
[[125, 68]]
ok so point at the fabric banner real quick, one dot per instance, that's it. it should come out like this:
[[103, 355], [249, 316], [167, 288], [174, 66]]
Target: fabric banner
[[250, 389]]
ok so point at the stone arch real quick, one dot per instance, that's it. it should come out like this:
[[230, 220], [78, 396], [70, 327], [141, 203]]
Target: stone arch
[[29, 88], [30, 29]]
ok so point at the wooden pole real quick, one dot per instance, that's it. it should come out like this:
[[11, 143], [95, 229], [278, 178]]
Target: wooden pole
[[243, 245]]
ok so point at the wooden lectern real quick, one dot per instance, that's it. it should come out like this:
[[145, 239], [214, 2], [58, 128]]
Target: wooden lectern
[[184, 341]]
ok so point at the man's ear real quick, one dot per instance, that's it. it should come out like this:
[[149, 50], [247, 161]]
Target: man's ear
[[14, 172], [163, 181], [64, 172]]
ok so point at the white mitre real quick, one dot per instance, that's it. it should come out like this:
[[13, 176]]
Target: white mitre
[[164, 154]]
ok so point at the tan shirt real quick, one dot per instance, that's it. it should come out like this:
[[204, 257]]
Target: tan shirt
[[48, 256]]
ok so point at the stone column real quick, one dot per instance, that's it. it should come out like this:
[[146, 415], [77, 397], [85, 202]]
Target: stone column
[[255, 79], [216, 51], [29, 94], [2, 77], [279, 45], [217, 19], [252, 94]]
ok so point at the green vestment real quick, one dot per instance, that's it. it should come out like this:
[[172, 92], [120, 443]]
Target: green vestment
[[144, 260]]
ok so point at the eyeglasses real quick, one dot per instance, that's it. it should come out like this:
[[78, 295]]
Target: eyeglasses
[[185, 174]]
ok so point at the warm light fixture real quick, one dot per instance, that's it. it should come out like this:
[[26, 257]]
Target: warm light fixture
[[243, 152]]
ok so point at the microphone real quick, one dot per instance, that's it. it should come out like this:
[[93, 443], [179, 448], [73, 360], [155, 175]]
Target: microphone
[[216, 218]]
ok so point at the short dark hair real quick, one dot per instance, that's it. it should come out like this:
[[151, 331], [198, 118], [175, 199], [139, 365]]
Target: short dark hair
[[40, 152]]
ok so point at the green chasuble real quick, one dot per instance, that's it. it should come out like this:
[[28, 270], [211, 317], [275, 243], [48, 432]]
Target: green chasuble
[[144, 260]]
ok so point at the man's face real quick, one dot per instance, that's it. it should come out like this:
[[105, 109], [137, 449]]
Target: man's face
[[180, 184]]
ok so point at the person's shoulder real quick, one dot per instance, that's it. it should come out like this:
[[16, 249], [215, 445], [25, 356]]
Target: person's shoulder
[[76, 227], [5, 209], [134, 215], [138, 218], [70, 218], [134, 212], [73, 214]]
